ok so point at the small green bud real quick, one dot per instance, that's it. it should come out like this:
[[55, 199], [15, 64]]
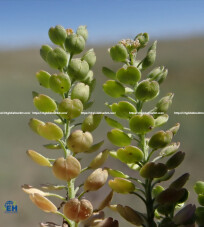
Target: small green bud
[[99, 160], [200, 216], [50, 131], [113, 123], [91, 122], [89, 78], [123, 109], [143, 39], [38, 158], [114, 88], [34, 123], [60, 83], [141, 123], [180, 182], [151, 56], [157, 190], [78, 69], [73, 108], [164, 103], [128, 75], [158, 74], [161, 120], [44, 103], [199, 187], [175, 128], [74, 44], [121, 185], [66, 169], [82, 30], [43, 78], [90, 58], [118, 53], [147, 90], [175, 160], [109, 73], [96, 180], [79, 141], [44, 50], [57, 35], [118, 138], [201, 199], [81, 92], [160, 139], [153, 170], [130, 154], [57, 58], [170, 149]]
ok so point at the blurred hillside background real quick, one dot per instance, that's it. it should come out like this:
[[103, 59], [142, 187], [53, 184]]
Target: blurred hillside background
[[177, 25]]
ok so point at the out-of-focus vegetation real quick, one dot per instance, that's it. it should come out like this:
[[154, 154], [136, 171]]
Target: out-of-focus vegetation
[[184, 59]]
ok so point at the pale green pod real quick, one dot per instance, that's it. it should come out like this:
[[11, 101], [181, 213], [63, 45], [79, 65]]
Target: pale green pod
[[60, 83], [38, 158], [80, 91], [118, 53], [34, 123], [99, 160], [118, 137], [91, 122], [123, 109], [44, 50], [43, 78], [130, 154], [114, 88], [57, 34], [90, 58], [82, 30], [160, 139], [74, 43], [121, 185], [78, 69], [44, 103]]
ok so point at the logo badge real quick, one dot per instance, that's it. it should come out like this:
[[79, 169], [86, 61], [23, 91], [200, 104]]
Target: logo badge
[[10, 207]]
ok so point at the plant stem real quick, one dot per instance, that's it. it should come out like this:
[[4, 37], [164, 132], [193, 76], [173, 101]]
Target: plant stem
[[71, 191], [63, 147], [65, 218]]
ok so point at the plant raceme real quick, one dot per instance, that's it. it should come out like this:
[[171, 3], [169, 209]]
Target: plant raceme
[[142, 146], [151, 153], [74, 82]]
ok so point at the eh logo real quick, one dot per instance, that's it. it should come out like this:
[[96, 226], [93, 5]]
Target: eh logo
[[10, 207]]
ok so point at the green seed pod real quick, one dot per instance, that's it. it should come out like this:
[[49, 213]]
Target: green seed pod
[[123, 109], [109, 73], [117, 173], [78, 69], [129, 75], [89, 78], [99, 160], [160, 139], [141, 124], [74, 44], [147, 90], [34, 123], [90, 58], [180, 182], [79, 141], [164, 103], [50, 131], [151, 56], [199, 187], [113, 123], [44, 50], [118, 138], [130, 154], [38, 158], [170, 196], [43, 78], [82, 30], [57, 35], [118, 53], [91, 122], [57, 58], [77, 210], [143, 39], [60, 83], [96, 180], [201, 199], [153, 170], [158, 74], [170, 149], [121, 185], [175, 160], [200, 216], [73, 108], [66, 169], [157, 190], [161, 120], [186, 215], [175, 128], [44, 103], [114, 88], [81, 92]]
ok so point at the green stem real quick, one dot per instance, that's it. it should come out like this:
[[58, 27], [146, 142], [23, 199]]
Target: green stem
[[65, 218], [84, 169], [63, 147], [151, 153], [79, 197], [57, 196], [138, 195], [71, 191]]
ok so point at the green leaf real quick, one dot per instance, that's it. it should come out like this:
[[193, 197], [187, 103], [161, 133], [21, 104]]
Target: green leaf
[[109, 73], [170, 149], [114, 88], [113, 123], [118, 138], [91, 122], [95, 147]]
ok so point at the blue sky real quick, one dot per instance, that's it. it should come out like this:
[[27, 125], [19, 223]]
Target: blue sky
[[26, 22]]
